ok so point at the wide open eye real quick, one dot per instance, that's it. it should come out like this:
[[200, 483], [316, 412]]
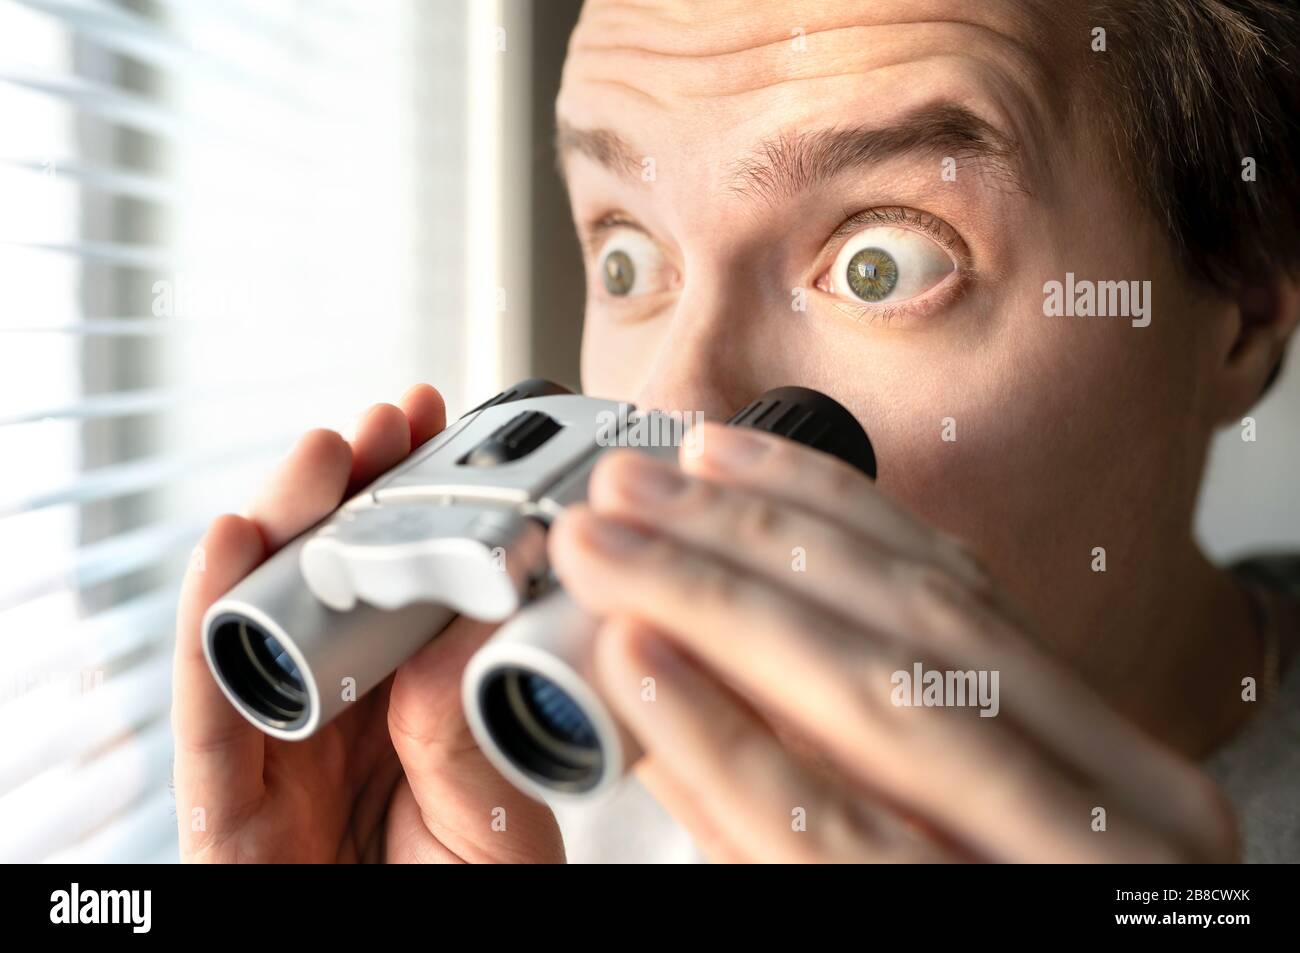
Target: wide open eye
[[630, 264], [882, 263]]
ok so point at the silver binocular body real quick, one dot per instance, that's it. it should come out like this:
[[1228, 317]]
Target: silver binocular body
[[459, 527]]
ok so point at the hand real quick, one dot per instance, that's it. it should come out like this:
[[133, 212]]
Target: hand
[[774, 688], [395, 778]]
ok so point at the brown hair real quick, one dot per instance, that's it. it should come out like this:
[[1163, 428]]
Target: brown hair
[[1199, 86]]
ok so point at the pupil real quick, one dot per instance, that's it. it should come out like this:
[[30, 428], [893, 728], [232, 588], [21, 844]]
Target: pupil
[[619, 274], [872, 274]]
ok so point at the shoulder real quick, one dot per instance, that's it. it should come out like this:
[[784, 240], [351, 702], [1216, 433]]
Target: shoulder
[[1259, 770]]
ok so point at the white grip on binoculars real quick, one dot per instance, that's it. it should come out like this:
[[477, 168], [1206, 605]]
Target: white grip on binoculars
[[476, 561]]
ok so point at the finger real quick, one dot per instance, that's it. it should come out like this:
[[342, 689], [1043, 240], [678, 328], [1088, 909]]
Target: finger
[[459, 794], [312, 481], [900, 599], [795, 548], [218, 754], [426, 410], [837, 685], [722, 615], [743, 788], [680, 801], [305, 487], [822, 484], [383, 440]]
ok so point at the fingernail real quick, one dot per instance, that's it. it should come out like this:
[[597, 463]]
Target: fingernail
[[649, 481], [732, 448], [614, 538]]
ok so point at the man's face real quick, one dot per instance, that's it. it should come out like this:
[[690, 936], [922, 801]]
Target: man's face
[[868, 199]]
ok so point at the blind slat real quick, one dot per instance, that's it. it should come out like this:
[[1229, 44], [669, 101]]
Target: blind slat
[[118, 254], [156, 119], [55, 810], [266, 192], [123, 32], [127, 184], [217, 181], [156, 400], [66, 717], [120, 404], [146, 833], [111, 327], [99, 562], [123, 478], [99, 639], [106, 102]]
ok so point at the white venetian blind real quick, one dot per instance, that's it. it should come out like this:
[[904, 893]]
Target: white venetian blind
[[221, 223]]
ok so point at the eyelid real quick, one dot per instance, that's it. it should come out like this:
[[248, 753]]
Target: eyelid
[[929, 225], [603, 232], [898, 216], [597, 230]]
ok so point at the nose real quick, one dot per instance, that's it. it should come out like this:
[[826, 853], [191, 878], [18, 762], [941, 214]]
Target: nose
[[705, 362]]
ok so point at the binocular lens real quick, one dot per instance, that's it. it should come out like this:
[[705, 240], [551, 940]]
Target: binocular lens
[[542, 729], [258, 670]]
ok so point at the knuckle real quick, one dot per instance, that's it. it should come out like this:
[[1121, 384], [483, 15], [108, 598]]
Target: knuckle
[[937, 604], [740, 747], [708, 582], [840, 479], [931, 592], [758, 518], [958, 550]]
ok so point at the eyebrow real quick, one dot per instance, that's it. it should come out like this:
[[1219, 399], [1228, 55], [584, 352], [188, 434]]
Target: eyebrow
[[603, 146], [794, 162]]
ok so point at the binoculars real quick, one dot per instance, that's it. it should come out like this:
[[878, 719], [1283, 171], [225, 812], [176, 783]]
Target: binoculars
[[459, 528]]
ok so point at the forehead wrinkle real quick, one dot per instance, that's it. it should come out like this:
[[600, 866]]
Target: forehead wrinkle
[[1010, 61], [695, 73], [665, 60], [740, 26], [792, 162]]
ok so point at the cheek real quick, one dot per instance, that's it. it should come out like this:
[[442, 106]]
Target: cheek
[[1050, 436], [617, 358]]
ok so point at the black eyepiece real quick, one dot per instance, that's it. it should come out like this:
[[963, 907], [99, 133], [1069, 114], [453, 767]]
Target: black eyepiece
[[810, 417]]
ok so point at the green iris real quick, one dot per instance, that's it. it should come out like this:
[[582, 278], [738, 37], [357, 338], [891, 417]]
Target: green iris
[[872, 274], [618, 273]]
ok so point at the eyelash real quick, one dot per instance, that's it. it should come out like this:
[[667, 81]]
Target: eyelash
[[896, 215]]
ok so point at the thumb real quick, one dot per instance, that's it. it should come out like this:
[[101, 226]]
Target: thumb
[[464, 803]]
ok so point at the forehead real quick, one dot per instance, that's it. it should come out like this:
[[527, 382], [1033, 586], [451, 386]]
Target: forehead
[[697, 84]]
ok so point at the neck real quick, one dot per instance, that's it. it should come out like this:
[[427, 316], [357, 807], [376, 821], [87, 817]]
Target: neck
[[1169, 651]]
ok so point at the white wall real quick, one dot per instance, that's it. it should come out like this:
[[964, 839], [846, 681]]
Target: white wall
[[1251, 499]]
